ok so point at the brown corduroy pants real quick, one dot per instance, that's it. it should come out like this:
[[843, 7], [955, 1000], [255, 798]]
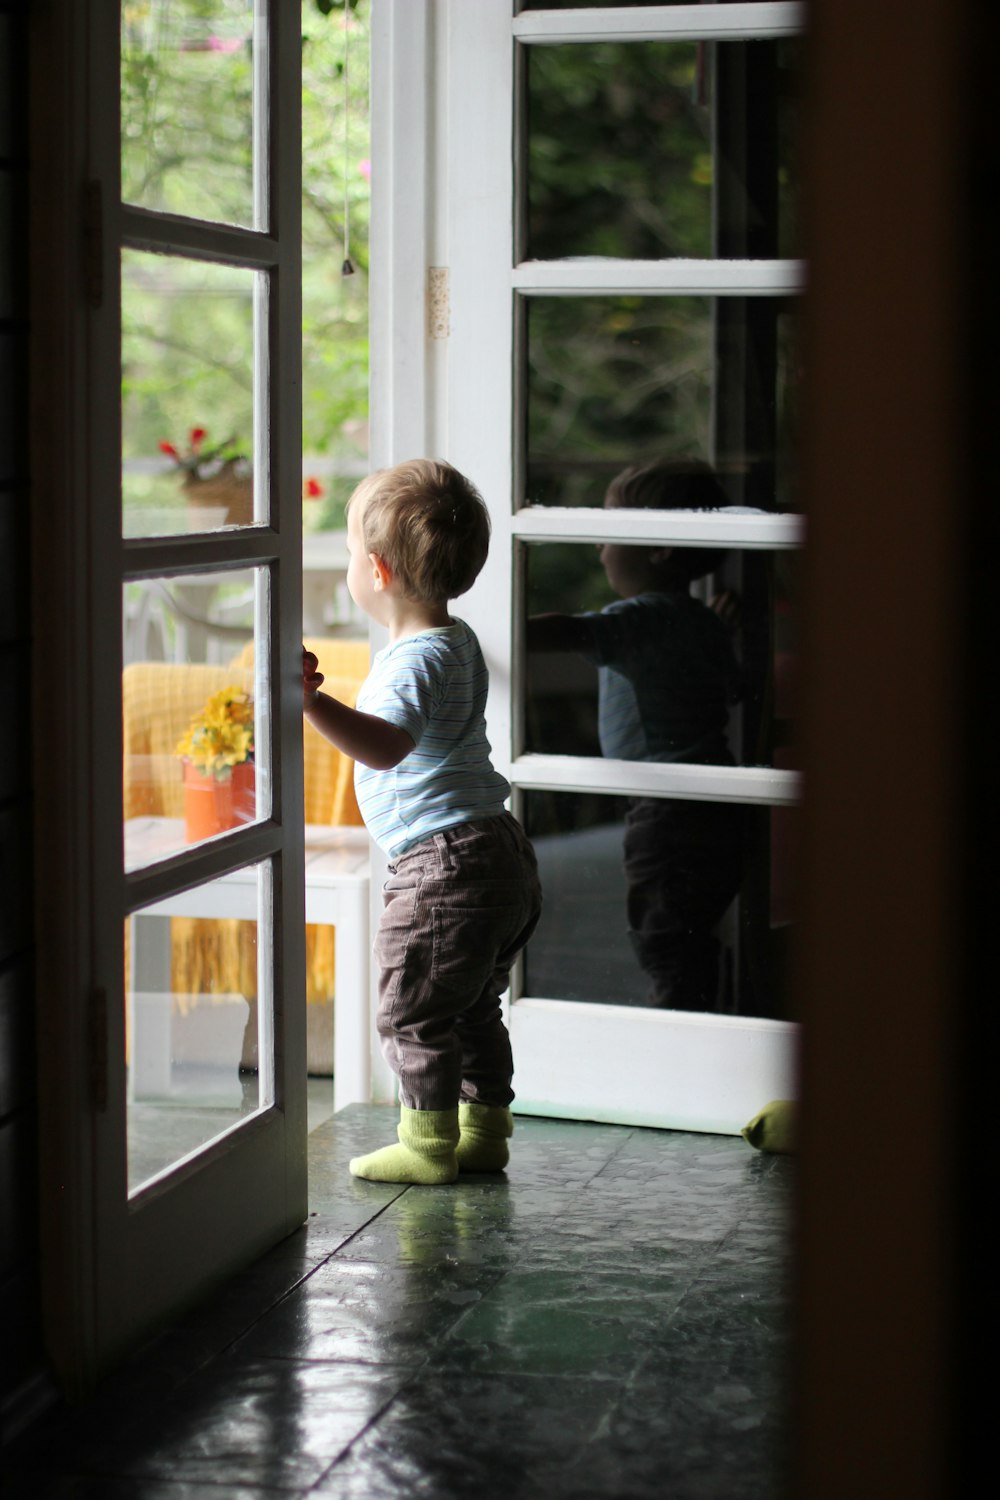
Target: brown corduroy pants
[[459, 907]]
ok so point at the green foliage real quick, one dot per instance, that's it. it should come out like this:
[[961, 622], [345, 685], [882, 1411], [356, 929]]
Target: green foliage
[[613, 381], [619, 151], [187, 107], [187, 148]]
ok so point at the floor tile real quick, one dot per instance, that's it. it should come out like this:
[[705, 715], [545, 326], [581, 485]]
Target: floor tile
[[544, 1438], [558, 1322], [504, 1438], [709, 1436], [110, 1487], [721, 1317], [371, 1311], [333, 1192], [273, 1424], [473, 1222]]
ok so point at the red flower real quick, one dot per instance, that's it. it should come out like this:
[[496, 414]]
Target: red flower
[[313, 489], [199, 461]]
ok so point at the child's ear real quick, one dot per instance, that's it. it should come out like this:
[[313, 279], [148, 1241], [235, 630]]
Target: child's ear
[[381, 572]]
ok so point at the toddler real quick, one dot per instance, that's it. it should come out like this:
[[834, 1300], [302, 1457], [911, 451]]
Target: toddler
[[462, 897]]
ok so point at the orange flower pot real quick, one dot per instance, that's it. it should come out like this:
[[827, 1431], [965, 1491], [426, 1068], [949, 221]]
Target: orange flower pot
[[212, 806]]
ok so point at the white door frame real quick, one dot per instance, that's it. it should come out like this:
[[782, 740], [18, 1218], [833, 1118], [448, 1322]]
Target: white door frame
[[444, 285]]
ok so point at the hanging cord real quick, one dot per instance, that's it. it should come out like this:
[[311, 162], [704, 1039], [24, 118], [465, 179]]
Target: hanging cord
[[347, 268]]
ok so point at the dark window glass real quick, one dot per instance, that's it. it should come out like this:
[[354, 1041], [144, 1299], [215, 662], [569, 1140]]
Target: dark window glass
[[614, 381], [662, 654], [646, 150], [661, 903]]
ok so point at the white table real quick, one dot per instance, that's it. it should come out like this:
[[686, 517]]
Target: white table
[[336, 894]]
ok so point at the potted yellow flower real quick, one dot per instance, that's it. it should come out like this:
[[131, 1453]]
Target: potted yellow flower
[[217, 752]]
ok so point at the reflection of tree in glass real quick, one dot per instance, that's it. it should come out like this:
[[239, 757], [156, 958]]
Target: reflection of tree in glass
[[620, 153], [613, 381], [633, 147]]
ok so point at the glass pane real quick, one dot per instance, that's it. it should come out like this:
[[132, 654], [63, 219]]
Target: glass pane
[[655, 902], [614, 381], [194, 710], [187, 394], [187, 108], [642, 150], [197, 1041], [684, 654]]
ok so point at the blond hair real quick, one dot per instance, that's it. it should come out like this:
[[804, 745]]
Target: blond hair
[[428, 523]]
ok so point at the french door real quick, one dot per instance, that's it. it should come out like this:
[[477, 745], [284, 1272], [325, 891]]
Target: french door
[[604, 201], [179, 1124]]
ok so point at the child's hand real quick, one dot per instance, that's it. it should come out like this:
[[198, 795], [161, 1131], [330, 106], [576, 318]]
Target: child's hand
[[312, 679]]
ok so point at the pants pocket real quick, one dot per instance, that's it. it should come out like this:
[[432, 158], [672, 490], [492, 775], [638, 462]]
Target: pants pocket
[[470, 943], [395, 930]]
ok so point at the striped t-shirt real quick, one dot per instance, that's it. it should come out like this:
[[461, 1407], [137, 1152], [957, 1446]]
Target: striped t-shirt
[[433, 685]]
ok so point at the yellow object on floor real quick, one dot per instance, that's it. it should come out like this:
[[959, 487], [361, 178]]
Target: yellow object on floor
[[775, 1128]]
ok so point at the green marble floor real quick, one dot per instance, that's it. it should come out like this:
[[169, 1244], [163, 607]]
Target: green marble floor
[[606, 1319]]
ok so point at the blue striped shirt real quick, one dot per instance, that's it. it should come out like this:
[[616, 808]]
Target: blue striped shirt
[[434, 686]]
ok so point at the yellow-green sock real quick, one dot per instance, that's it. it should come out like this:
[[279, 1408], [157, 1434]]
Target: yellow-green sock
[[485, 1130], [425, 1154]]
